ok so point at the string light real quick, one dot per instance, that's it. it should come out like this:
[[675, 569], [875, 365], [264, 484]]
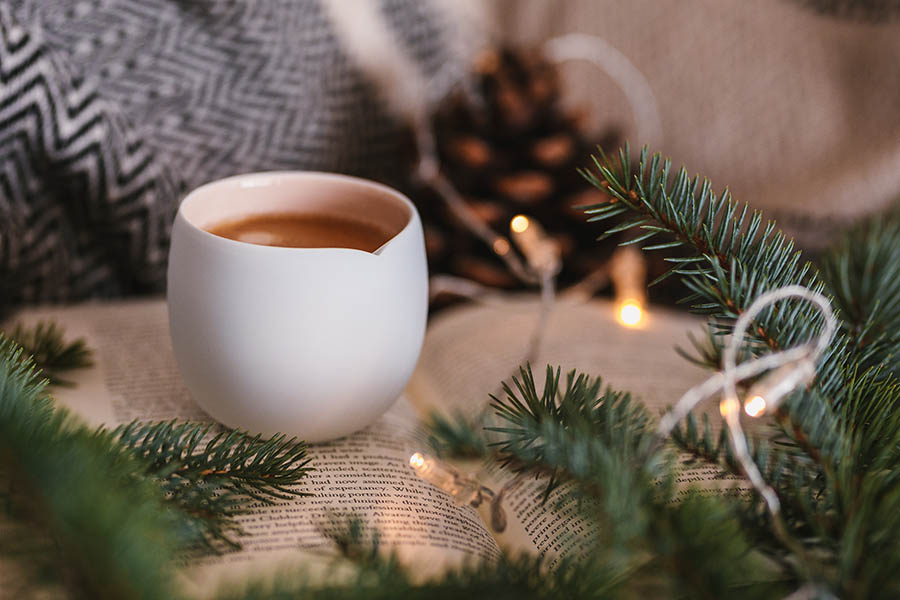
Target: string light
[[417, 461], [755, 406], [629, 276], [728, 407], [519, 223], [767, 394], [462, 489], [630, 313], [540, 250], [789, 370], [500, 246]]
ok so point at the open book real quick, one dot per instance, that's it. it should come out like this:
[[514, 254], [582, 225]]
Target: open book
[[467, 352]]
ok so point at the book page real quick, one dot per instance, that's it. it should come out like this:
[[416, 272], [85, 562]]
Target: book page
[[366, 474], [469, 350], [134, 374]]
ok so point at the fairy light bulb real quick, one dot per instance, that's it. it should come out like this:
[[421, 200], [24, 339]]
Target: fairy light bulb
[[755, 406], [541, 252], [462, 489], [767, 394], [629, 273], [500, 246], [728, 406], [519, 223], [630, 313]]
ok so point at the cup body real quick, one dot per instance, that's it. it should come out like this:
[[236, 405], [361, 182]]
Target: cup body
[[310, 342]]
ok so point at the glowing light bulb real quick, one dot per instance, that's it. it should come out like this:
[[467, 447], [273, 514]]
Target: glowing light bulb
[[417, 461], [540, 250], [755, 406], [519, 223], [630, 313], [772, 389], [462, 489], [728, 406], [501, 246]]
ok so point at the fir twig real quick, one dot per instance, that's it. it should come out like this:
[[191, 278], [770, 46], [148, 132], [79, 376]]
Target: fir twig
[[455, 436], [45, 343], [733, 257], [211, 477], [602, 445], [535, 421], [863, 273], [846, 424], [111, 533]]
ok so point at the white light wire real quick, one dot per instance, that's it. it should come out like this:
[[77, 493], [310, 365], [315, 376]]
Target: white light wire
[[630, 79], [725, 381]]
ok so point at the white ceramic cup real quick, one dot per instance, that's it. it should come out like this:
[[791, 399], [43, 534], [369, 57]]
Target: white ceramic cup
[[310, 342]]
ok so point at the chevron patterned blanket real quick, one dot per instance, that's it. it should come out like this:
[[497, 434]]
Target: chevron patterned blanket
[[110, 110]]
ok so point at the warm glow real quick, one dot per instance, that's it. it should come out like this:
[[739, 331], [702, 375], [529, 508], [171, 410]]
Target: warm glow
[[755, 406], [630, 313], [728, 406], [501, 246], [519, 223], [416, 461]]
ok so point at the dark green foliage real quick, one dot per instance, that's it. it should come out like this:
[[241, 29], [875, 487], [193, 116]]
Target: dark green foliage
[[211, 477], [597, 448], [732, 255], [102, 514], [51, 353], [455, 437], [570, 431], [834, 464], [520, 577], [111, 533], [863, 275], [379, 575]]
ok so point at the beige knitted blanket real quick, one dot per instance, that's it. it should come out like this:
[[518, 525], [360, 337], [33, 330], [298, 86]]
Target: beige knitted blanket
[[798, 113]]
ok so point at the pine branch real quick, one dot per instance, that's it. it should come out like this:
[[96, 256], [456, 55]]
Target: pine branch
[[113, 507], [45, 343], [29, 563], [210, 478], [378, 574], [789, 471], [863, 272], [540, 426], [455, 436], [734, 256], [518, 577], [601, 446], [111, 533], [844, 429], [703, 445]]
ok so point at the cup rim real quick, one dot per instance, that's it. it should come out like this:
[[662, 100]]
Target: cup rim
[[260, 179]]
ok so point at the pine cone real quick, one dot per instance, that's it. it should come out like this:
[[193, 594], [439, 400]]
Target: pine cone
[[511, 148]]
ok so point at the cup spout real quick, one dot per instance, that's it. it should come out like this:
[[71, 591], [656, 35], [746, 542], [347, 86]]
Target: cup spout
[[381, 248]]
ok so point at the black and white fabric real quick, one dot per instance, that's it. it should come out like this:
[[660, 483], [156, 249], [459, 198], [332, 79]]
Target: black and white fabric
[[110, 110]]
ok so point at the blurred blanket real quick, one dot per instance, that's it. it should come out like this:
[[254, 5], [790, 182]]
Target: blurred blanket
[[792, 104], [110, 110]]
